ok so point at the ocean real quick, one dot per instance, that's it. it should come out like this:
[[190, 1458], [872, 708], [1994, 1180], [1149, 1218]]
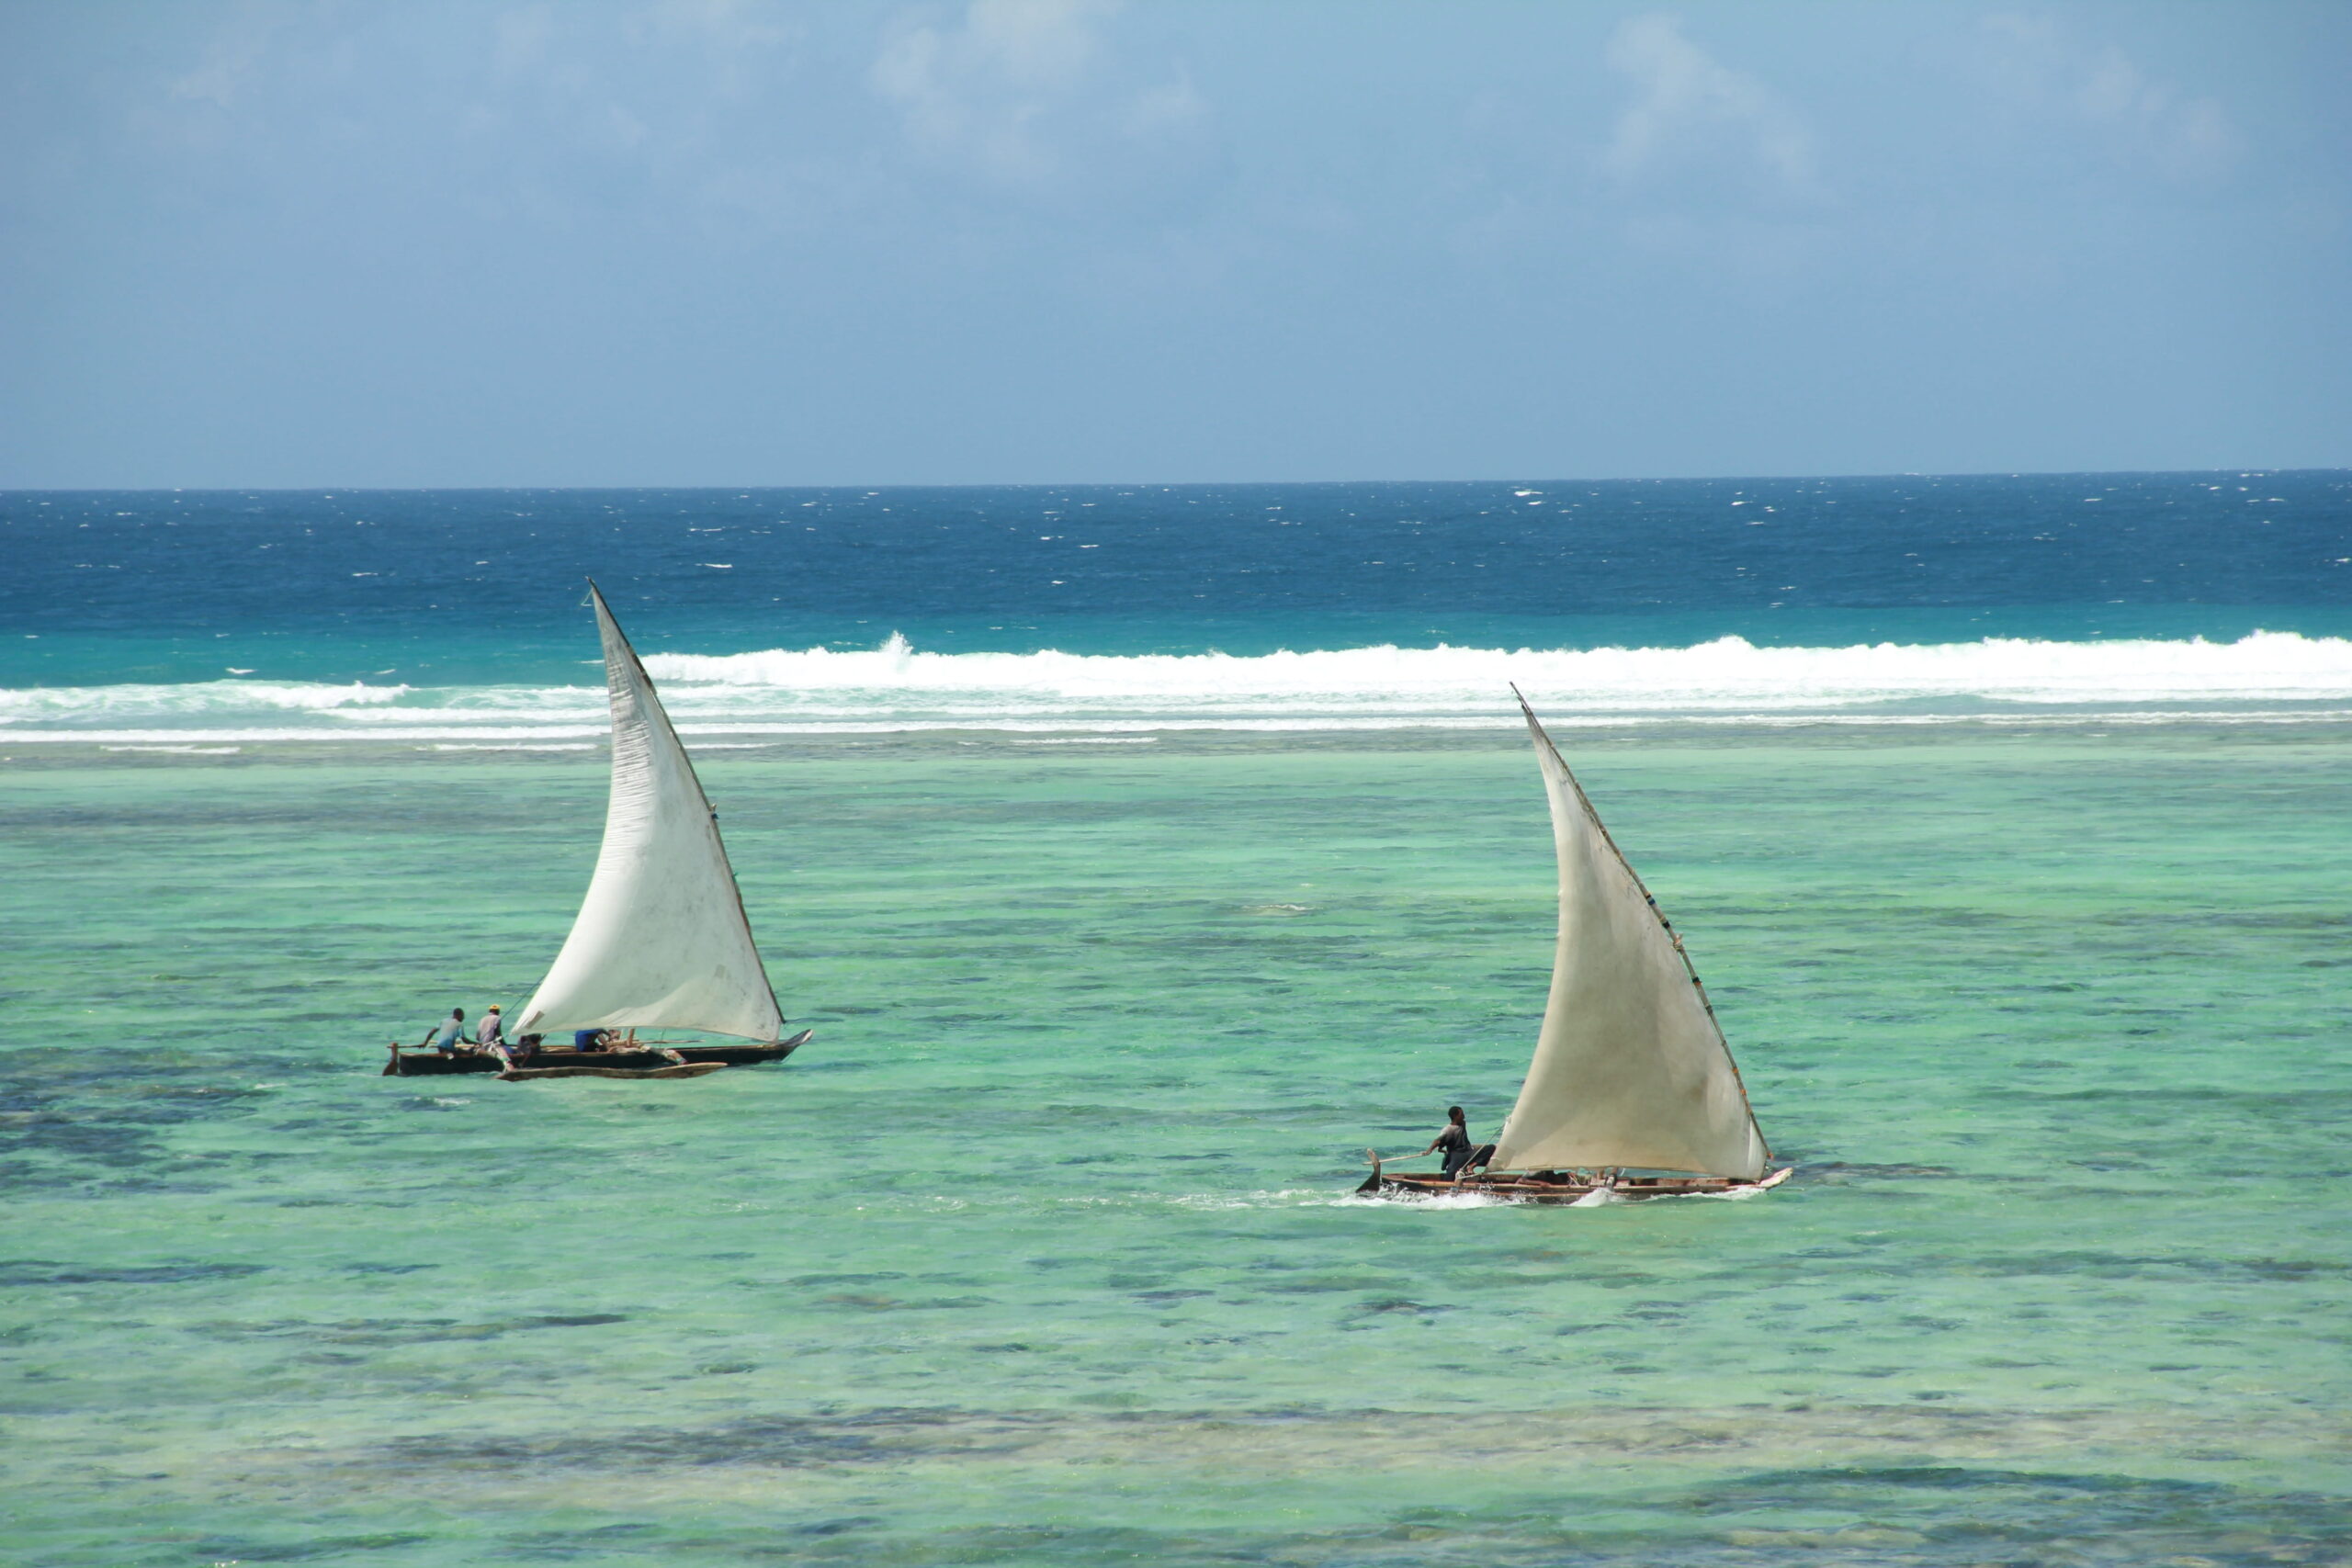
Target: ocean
[[1139, 855]]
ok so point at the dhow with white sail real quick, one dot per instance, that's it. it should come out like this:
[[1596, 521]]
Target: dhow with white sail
[[1632, 1090], [662, 942]]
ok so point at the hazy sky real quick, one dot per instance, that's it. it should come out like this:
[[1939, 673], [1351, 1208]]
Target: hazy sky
[[721, 242]]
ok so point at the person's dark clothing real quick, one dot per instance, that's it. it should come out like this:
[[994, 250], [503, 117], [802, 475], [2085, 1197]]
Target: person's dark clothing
[[1454, 1143]]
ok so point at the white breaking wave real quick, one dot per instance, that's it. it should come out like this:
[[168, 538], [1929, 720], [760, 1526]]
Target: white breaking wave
[[2267, 675], [1729, 673], [24, 704]]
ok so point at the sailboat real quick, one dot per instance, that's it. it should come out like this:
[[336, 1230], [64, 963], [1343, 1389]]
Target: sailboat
[[1633, 1091], [662, 942]]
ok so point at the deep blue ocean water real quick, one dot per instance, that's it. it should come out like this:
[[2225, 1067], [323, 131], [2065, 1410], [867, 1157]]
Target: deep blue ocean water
[[483, 586]]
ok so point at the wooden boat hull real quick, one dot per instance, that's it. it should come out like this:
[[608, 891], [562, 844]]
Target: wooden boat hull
[[1570, 1187], [568, 1063], [675, 1070]]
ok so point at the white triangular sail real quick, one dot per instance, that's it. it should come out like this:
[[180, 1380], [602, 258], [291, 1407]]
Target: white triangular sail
[[1631, 1068], [661, 941]]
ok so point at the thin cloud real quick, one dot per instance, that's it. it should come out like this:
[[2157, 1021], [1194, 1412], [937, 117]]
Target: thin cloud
[[2189, 138], [1691, 112], [233, 59], [977, 91], [1035, 98], [2138, 118]]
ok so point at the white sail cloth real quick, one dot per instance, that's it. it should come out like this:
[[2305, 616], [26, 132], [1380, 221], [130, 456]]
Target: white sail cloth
[[661, 941], [1631, 1068]]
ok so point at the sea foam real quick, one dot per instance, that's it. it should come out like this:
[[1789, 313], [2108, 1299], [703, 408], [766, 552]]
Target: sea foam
[[897, 687], [1728, 673]]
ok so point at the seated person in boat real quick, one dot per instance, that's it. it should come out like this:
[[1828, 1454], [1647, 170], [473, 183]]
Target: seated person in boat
[[451, 1032], [492, 1036], [591, 1040]]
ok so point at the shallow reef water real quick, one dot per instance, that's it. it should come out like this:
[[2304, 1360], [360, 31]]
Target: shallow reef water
[[1044, 1250]]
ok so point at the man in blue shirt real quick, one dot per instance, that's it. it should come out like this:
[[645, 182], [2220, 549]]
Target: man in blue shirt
[[452, 1033]]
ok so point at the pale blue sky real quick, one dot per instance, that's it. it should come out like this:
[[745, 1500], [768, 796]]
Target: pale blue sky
[[356, 243]]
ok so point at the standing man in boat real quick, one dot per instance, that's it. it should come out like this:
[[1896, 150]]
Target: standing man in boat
[[1455, 1141]]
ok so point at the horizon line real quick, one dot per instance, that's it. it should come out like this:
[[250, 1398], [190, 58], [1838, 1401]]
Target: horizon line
[[2245, 472]]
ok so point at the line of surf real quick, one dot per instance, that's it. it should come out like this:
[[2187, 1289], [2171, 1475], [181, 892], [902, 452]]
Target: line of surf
[[897, 687]]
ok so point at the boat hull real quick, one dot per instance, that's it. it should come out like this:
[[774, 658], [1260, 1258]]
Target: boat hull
[[568, 1063], [675, 1070], [1572, 1189]]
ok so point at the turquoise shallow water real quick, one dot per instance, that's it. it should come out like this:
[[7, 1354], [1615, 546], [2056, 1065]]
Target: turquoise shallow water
[[1041, 1253]]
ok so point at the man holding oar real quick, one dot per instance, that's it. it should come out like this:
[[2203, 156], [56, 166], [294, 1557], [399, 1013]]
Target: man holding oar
[[1461, 1155]]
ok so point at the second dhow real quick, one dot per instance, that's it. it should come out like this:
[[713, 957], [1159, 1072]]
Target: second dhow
[[662, 942], [1633, 1091]]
